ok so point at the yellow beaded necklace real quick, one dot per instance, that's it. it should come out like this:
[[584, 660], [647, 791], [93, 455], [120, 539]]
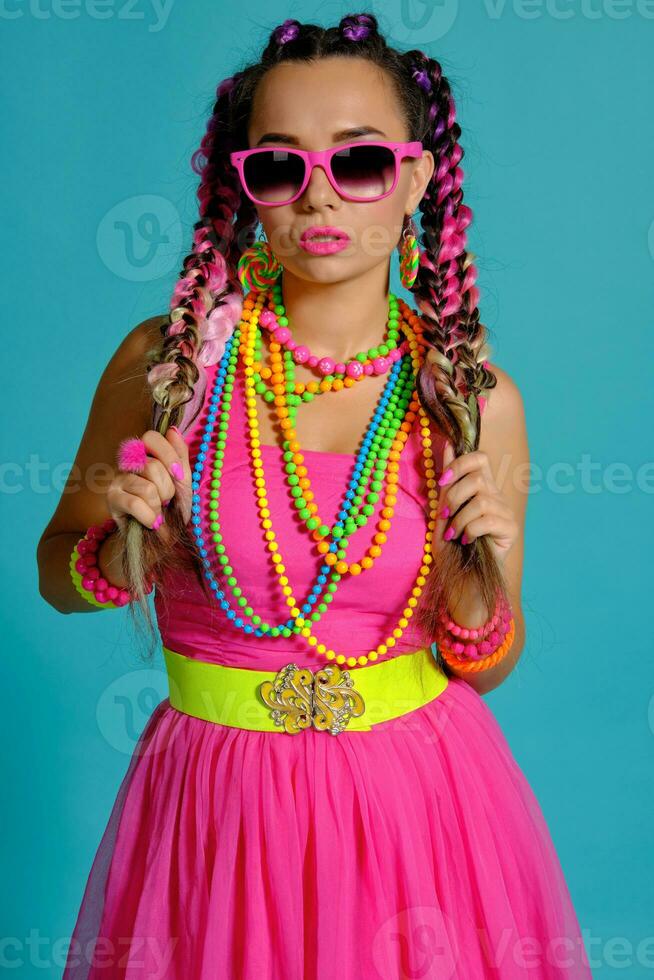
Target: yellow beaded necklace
[[251, 311]]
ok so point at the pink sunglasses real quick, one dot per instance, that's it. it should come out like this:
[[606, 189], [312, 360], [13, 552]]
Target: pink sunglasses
[[363, 171]]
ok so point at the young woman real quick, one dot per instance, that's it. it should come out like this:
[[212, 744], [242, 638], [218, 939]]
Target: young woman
[[318, 507]]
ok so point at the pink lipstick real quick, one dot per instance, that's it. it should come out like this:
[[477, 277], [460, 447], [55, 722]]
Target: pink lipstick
[[323, 240]]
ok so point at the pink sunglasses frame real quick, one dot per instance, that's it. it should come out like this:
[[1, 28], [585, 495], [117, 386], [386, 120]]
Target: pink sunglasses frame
[[323, 158]]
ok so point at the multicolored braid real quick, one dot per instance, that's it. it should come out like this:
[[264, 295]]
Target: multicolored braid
[[455, 371], [206, 303], [444, 288], [207, 299]]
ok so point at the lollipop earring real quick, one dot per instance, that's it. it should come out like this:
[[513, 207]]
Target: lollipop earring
[[258, 267], [409, 256]]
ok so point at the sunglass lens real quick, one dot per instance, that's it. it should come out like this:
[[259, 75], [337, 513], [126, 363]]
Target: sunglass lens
[[364, 171], [273, 175]]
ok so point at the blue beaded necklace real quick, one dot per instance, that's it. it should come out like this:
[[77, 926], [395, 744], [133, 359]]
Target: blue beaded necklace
[[290, 626]]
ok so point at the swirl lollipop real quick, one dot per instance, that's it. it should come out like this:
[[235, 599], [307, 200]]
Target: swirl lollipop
[[258, 267]]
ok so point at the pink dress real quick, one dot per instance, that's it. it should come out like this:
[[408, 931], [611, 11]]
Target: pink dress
[[416, 849]]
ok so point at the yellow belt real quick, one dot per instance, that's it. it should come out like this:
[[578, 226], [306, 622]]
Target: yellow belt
[[296, 698]]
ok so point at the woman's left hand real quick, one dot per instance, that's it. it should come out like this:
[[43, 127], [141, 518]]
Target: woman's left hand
[[478, 505]]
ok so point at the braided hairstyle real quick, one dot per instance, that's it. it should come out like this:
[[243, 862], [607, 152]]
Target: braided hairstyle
[[208, 298]]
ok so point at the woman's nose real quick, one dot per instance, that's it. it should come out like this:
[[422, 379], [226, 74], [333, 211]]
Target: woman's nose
[[319, 190]]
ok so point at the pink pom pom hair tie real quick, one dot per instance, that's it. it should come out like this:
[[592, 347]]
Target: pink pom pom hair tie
[[132, 455]]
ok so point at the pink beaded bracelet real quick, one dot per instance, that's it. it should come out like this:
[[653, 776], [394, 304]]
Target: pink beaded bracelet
[[489, 636], [86, 575]]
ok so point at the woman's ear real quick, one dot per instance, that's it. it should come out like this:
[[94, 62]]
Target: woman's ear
[[422, 174]]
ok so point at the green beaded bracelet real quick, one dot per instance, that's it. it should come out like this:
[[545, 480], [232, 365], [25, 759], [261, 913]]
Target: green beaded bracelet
[[77, 582], [85, 574]]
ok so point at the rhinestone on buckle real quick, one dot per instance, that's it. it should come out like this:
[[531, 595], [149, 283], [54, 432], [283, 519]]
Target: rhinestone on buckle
[[300, 698]]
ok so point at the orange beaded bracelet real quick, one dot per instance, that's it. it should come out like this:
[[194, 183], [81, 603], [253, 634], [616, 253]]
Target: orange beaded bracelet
[[473, 666]]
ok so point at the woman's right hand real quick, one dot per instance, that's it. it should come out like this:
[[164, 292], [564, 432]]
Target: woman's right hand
[[145, 495]]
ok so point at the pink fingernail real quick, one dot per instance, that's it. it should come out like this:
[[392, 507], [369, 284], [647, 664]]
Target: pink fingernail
[[464, 538], [177, 470], [446, 477], [166, 502], [158, 521], [449, 534], [445, 512]]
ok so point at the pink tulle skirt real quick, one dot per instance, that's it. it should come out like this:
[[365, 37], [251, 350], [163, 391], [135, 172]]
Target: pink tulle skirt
[[415, 850]]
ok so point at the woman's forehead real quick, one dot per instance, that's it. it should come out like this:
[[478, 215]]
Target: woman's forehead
[[347, 92]]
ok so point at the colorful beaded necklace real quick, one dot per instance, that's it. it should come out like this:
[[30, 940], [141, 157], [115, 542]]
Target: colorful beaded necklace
[[336, 374], [244, 340], [300, 485], [384, 423]]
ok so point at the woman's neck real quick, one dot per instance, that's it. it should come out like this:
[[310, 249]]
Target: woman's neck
[[337, 319]]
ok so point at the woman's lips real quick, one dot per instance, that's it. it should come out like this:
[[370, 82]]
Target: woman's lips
[[321, 246]]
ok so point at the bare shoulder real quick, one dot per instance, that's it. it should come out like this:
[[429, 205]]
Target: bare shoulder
[[134, 349], [123, 385], [504, 403], [121, 407]]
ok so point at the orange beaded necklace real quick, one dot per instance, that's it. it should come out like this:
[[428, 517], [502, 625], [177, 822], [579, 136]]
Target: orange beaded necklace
[[252, 307]]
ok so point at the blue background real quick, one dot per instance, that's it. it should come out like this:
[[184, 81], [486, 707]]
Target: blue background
[[101, 117]]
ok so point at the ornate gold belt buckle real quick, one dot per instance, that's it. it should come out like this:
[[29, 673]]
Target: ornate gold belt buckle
[[300, 698]]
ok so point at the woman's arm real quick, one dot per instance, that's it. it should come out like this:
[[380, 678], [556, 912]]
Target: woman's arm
[[504, 440], [121, 407]]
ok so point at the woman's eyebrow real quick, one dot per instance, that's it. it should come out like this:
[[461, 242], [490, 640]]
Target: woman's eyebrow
[[342, 134]]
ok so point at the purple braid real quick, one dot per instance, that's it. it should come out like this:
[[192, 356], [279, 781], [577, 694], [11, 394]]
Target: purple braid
[[288, 31], [358, 27]]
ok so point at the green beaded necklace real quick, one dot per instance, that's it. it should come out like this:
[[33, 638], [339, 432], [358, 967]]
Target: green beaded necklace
[[393, 340], [374, 468], [358, 514]]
